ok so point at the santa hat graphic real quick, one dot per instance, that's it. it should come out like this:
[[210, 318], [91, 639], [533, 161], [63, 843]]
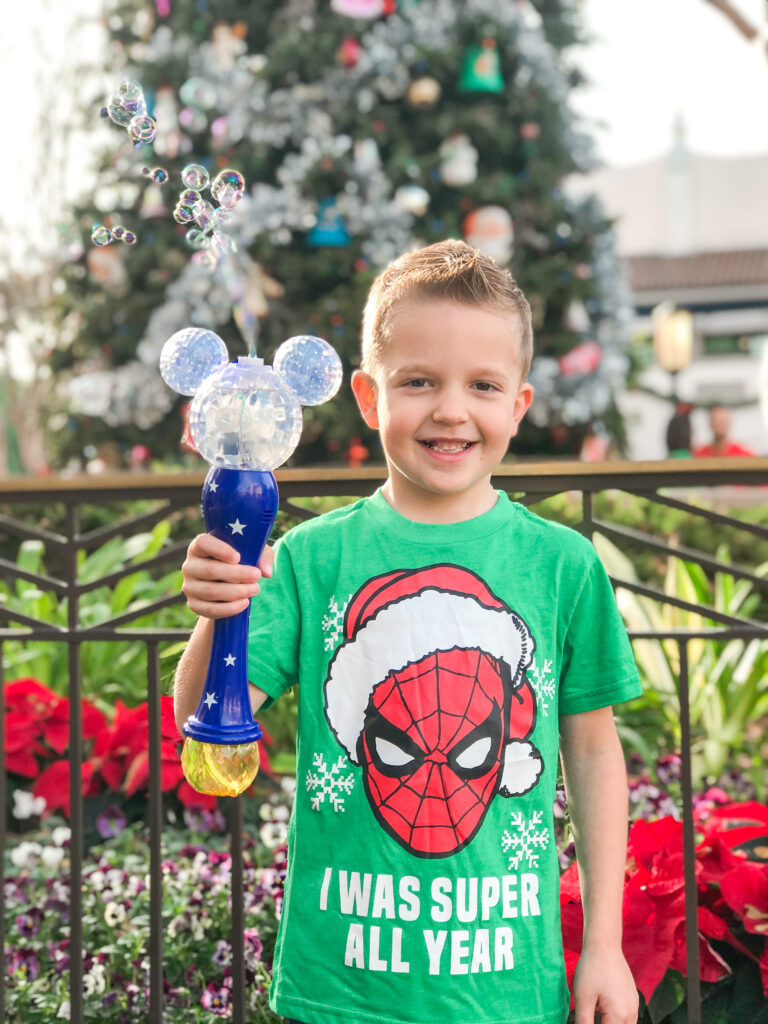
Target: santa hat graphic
[[397, 619]]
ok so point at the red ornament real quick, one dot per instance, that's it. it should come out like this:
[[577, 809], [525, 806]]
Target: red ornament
[[530, 131], [583, 358], [348, 53]]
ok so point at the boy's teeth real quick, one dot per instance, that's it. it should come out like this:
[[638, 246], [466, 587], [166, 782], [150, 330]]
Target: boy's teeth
[[447, 447]]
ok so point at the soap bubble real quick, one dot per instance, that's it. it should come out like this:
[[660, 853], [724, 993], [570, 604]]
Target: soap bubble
[[160, 175], [142, 128], [118, 231], [203, 213], [189, 356], [183, 215], [222, 244], [129, 238], [243, 417], [227, 188], [130, 95], [101, 235], [195, 176], [196, 238], [119, 114], [311, 368], [189, 197]]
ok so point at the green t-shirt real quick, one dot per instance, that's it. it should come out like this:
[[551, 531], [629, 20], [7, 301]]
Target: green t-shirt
[[432, 662]]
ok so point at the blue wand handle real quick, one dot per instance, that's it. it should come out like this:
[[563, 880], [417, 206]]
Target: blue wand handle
[[239, 507]]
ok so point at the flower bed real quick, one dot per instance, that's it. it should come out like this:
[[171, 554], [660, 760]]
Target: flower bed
[[196, 925], [731, 859]]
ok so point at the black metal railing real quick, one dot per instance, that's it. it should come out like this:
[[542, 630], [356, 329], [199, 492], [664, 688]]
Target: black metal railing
[[694, 487]]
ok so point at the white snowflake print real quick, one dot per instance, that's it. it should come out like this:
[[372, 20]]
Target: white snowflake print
[[543, 683], [527, 842], [329, 782], [333, 623]]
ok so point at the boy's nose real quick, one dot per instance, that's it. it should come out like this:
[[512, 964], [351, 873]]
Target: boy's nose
[[450, 407]]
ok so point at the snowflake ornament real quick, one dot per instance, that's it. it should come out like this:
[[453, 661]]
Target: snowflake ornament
[[527, 842], [330, 783]]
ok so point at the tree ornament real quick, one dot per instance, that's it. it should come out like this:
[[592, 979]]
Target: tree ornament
[[576, 317], [330, 229], [530, 131], [490, 229], [423, 92], [245, 418], [359, 8], [413, 198], [481, 70], [348, 53], [458, 160], [582, 359]]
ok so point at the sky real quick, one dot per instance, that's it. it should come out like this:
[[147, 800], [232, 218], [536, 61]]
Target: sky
[[650, 61]]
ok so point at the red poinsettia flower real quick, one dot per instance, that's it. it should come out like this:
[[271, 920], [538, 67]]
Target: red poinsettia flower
[[53, 785], [21, 744], [48, 714], [745, 890]]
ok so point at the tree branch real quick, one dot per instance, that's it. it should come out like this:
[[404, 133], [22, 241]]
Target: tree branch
[[744, 26]]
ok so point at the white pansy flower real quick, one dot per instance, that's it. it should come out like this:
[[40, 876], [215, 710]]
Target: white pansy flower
[[114, 914], [26, 855], [52, 856], [61, 835], [64, 1011], [25, 805]]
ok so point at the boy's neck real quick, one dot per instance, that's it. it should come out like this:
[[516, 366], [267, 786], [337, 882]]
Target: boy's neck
[[438, 508]]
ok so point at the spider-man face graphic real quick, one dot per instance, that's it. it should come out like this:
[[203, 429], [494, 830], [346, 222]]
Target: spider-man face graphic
[[440, 737], [431, 748]]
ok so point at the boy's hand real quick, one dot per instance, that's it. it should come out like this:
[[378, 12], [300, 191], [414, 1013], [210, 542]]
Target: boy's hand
[[215, 584], [604, 989]]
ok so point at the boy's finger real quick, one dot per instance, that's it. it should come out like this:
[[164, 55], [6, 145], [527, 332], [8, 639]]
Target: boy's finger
[[217, 609], [266, 561], [196, 568], [205, 545], [217, 592]]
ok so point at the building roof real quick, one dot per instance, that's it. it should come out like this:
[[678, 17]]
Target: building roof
[[698, 270]]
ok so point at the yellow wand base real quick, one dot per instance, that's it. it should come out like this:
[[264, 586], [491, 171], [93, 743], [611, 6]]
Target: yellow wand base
[[219, 769]]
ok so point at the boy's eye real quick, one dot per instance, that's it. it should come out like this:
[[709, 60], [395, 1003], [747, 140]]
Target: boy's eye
[[484, 385], [417, 382]]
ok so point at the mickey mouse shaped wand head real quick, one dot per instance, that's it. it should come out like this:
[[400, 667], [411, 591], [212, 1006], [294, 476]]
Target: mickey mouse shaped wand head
[[245, 419]]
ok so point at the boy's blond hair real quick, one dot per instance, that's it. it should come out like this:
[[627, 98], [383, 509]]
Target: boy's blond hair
[[449, 270]]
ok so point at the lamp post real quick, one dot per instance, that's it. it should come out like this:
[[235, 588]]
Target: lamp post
[[672, 340]]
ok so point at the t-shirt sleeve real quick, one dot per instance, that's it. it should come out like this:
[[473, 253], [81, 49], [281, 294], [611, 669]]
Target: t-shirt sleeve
[[275, 629], [598, 664]]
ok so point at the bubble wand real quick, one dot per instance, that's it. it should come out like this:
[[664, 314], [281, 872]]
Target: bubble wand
[[245, 419]]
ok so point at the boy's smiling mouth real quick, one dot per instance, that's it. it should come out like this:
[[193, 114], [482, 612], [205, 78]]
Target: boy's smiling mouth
[[446, 446]]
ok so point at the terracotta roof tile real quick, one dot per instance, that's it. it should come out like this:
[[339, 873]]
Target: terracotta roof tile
[[699, 270]]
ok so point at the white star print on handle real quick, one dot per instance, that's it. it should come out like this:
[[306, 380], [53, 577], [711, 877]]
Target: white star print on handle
[[230, 659], [237, 527], [210, 699]]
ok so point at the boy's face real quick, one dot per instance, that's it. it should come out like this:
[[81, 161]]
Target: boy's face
[[446, 397]]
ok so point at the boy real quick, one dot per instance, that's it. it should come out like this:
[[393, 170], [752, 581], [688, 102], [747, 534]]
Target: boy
[[423, 879]]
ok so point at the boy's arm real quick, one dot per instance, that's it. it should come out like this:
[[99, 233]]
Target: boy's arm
[[596, 788], [215, 586]]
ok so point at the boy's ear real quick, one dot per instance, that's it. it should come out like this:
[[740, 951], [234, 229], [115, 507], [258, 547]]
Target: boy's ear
[[365, 393], [522, 404]]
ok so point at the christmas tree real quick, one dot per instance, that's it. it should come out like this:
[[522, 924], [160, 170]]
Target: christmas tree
[[362, 128]]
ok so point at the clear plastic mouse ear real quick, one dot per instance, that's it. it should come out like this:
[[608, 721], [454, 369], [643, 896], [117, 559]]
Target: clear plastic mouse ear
[[310, 367], [189, 356]]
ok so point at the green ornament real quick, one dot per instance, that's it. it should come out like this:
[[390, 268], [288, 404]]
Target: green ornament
[[481, 70]]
